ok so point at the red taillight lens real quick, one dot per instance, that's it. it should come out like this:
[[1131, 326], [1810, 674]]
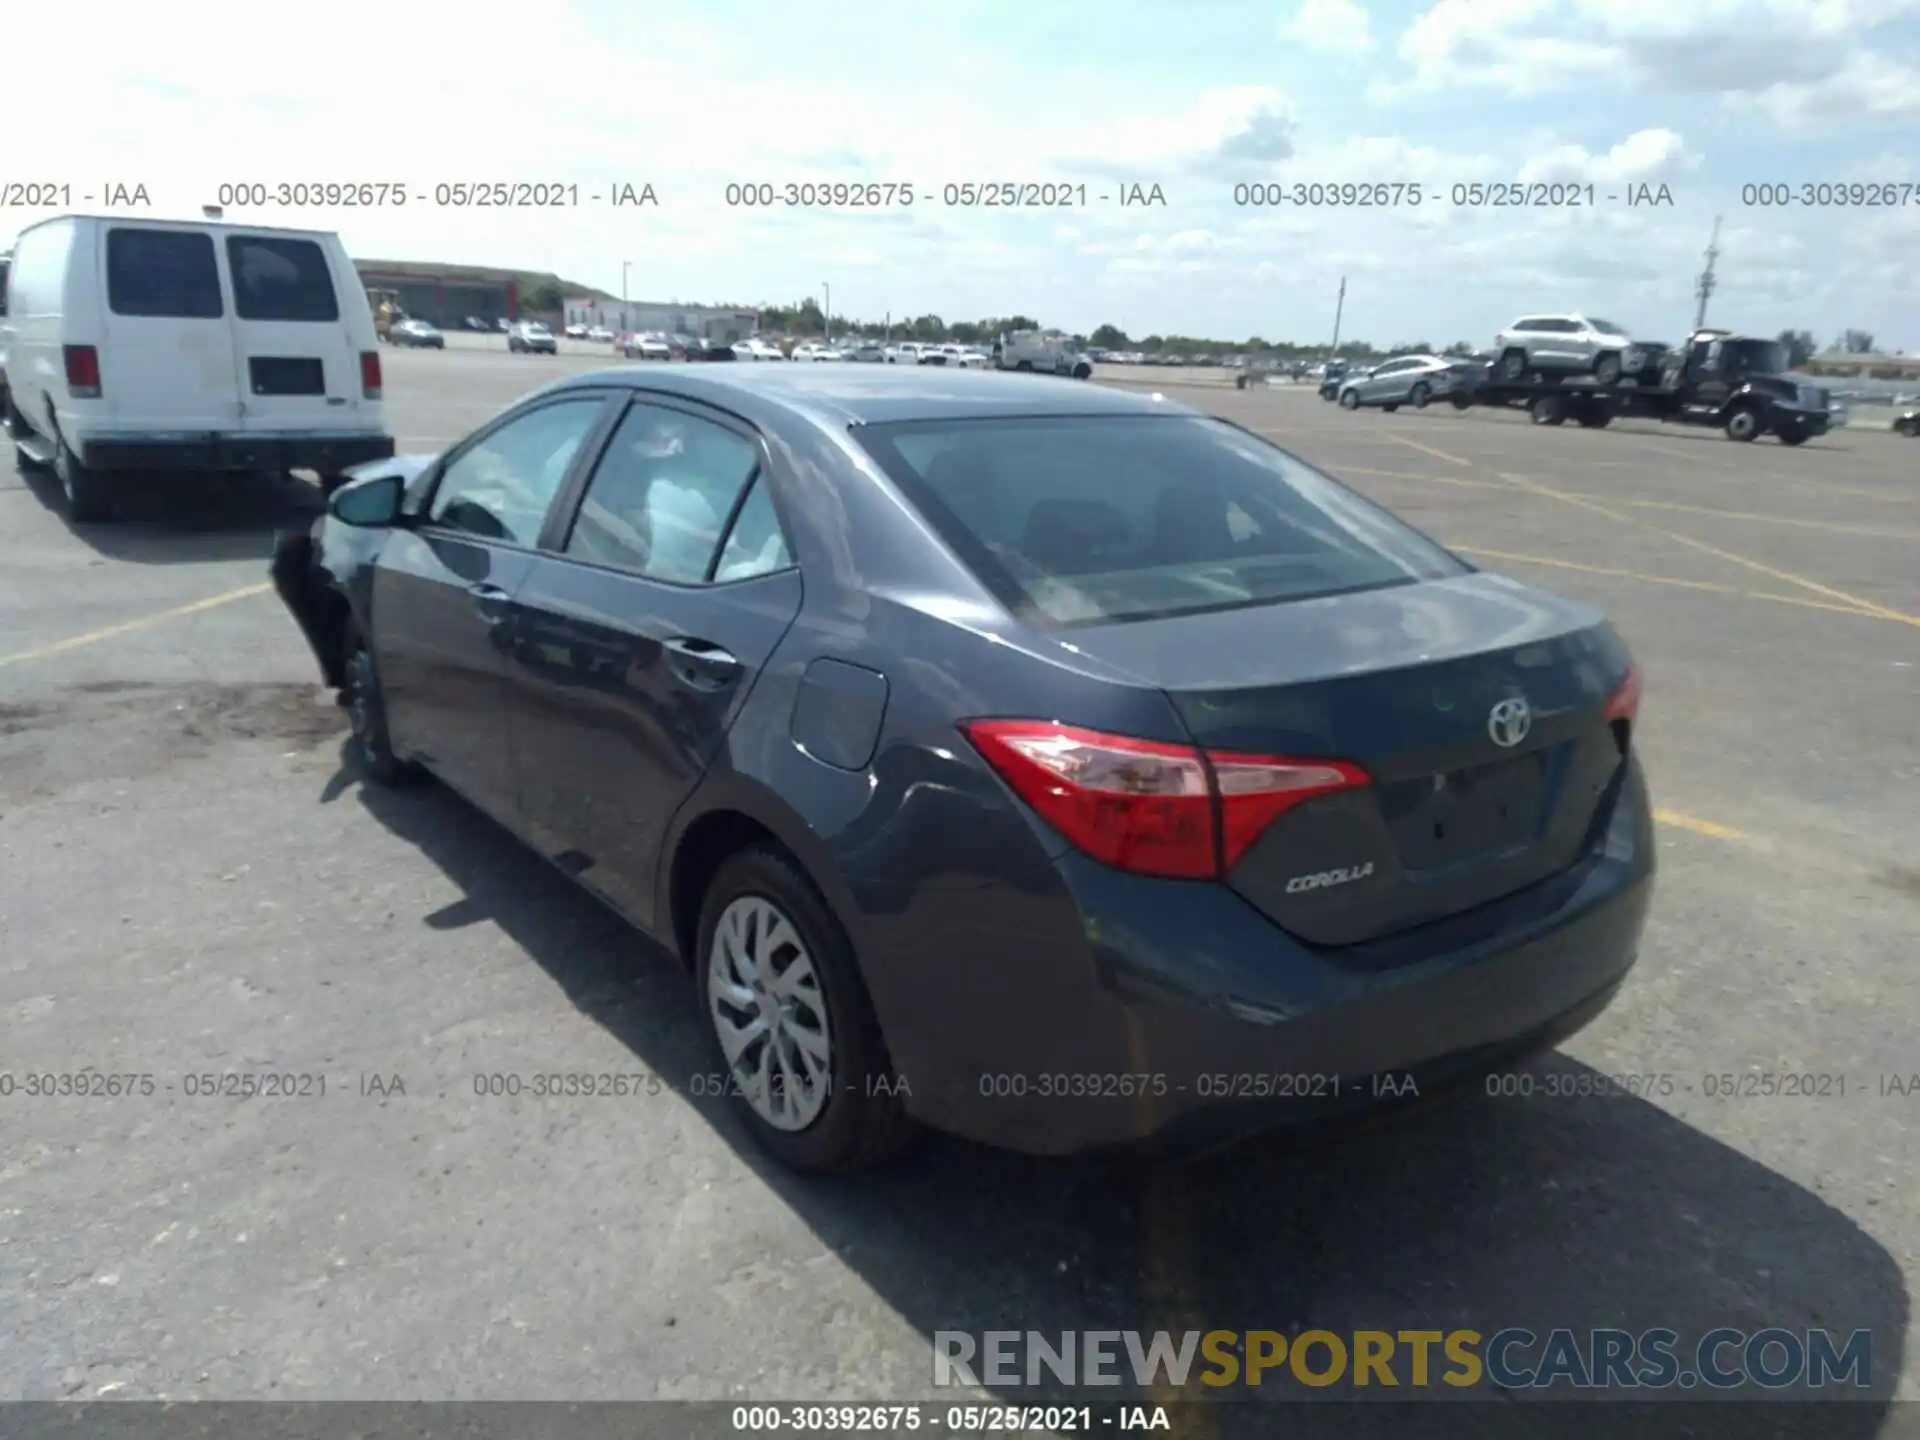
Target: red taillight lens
[[370, 374], [1149, 807], [83, 371], [1624, 703]]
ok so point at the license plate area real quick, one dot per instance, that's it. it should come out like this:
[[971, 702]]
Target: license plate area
[[286, 375], [1442, 820]]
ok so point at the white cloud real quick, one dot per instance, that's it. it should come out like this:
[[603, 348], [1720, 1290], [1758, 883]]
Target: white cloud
[[1338, 27], [1646, 155]]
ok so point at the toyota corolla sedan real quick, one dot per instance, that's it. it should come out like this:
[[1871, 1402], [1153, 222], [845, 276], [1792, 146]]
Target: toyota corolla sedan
[[1058, 767]]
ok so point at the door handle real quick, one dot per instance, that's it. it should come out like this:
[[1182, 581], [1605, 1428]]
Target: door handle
[[700, 663], [490, 601]]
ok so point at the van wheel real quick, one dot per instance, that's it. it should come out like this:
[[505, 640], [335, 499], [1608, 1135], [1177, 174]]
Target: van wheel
[[800, 1049], [87, 493], [1743, 424]]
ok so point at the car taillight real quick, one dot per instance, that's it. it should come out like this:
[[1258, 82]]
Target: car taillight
[[83, 371], [370, 374], [1146, 806]]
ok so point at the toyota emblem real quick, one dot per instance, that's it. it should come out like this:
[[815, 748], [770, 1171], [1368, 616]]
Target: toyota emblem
[[1509, 721]]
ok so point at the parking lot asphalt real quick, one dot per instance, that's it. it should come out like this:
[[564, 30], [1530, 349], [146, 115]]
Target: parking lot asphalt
[[192, 885]]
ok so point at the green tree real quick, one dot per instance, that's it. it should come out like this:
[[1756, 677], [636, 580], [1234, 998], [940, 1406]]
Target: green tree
[[1800, 346], [542, 295], [1110, 337], [1857, 342]]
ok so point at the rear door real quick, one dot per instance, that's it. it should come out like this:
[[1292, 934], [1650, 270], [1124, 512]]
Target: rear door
[[166, 363], [638, 634], [296, 356]]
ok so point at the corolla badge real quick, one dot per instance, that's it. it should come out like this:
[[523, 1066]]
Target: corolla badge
[[1509, 721]]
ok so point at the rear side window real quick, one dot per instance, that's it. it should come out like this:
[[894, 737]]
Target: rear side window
[[1090, 520], [277, 278], [166, 273]]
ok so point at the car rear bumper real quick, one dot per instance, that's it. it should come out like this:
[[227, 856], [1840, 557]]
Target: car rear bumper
[[326, 454], [1168, 1012]]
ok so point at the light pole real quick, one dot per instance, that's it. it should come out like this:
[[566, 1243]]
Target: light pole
[[826, 312]]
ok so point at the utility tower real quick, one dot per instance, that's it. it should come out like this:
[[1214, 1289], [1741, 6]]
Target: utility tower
[[1705, 287]]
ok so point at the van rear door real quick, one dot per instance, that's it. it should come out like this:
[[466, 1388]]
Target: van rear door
[[166, 362], [296, 347]]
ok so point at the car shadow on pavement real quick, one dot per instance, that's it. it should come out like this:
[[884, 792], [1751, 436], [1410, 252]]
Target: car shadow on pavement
[[1481, 1214], [194, 518]]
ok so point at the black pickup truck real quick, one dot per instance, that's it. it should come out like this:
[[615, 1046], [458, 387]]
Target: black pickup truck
[[1736, 383]]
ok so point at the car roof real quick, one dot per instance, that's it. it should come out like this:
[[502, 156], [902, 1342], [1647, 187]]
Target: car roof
[[835, 396]]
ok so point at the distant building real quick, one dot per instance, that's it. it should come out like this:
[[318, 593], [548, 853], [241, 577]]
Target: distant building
[[710, 322], [446, 294]]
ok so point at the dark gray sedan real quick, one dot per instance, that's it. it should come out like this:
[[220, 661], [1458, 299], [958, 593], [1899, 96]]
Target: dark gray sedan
[[1059, 767]]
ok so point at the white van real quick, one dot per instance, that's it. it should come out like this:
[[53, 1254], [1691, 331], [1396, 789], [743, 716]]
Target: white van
[[156, 345]]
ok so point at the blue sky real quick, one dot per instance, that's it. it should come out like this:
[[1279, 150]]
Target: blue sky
[[1702, 96]]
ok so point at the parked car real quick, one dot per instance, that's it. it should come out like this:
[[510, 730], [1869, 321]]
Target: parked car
[[134, 348], [651, 345], [703, 351], [1408, 380], [474, 322], [530, 337], [599, 334], [502, 325], [1571, 344], [416, 334], [1907, 423], [865, 352], [812, 351], [1305, 794], [907, 352], [756, 348], [1333, 375], [575, 332]]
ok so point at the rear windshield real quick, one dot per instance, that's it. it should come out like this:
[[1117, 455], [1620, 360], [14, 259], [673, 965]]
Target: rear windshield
[[170, 273], [275, 278], [1090, 520]]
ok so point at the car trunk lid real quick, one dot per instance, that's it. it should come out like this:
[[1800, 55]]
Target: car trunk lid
[[1477, 707]]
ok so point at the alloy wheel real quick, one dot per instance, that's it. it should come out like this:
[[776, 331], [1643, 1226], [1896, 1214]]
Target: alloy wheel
[[769, 1014]]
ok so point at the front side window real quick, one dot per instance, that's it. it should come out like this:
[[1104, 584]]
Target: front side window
[[1084, 520], [279, 278], [169, 274], [662, 495], [502, 487]]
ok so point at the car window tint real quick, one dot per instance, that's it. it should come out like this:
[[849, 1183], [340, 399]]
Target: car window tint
[[661, 495], [501, 488], [1078, 520], [278, 278], [755, 544], [169, 273]]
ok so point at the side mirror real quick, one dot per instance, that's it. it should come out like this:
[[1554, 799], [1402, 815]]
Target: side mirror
[[373, 502]]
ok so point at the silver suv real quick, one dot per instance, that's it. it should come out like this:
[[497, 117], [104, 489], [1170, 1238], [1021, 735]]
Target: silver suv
[[1562, 344]]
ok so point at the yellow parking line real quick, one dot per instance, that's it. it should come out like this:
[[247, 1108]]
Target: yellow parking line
[[1532, 487], [1709, 828], [1706, 585], [1427, 450], [107, 632], [1428, 479], [1838, 526]]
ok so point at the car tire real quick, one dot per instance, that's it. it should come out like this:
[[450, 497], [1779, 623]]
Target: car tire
[[1024, 365], [361, 697], [1349, 400], [87, 492], [1593, 417], [1795, 435], [1513, 364], [1419, 395], [1548, 410], [1085, 372], [1460, 400], [860, 1120], [1743, 424], [1606, 367], [1390, 407]]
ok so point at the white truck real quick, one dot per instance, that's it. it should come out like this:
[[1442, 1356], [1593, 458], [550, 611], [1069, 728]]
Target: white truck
[[1046, 352]]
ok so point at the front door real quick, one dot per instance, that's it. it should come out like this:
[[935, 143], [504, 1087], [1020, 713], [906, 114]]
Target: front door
[[637, 637], [443, 588]]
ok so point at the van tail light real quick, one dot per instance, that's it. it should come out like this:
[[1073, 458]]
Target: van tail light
[[1149, 807], [83, 371], [1623, 706], [370, 374]]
